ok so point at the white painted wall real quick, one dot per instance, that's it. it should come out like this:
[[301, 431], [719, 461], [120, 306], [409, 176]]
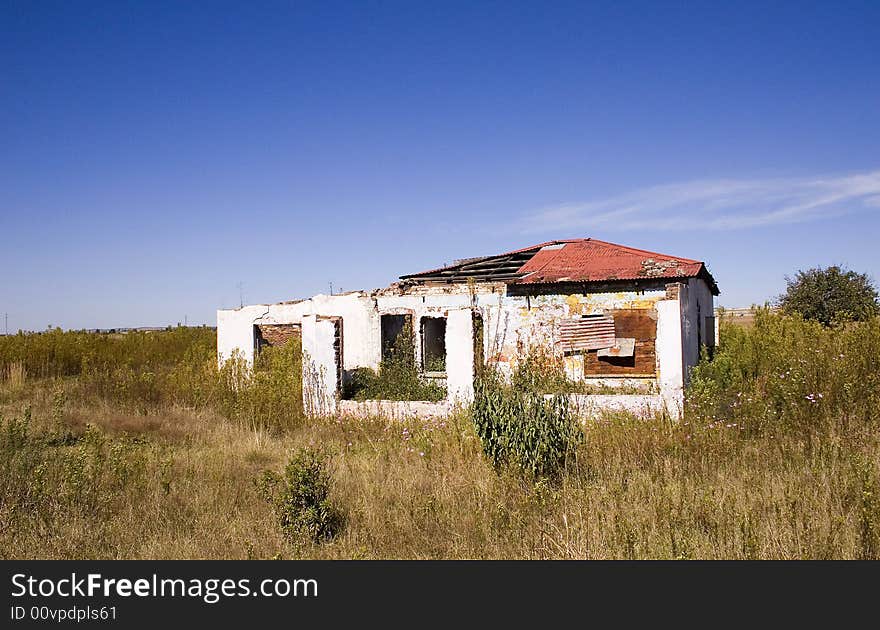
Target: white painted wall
[[512, 324], [591, 406], [670, 364], [399, 410], [319, 366], [460, 356], [235, 327], [419, 306]]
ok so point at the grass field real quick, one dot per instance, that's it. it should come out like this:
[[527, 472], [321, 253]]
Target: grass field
[[135, 446]]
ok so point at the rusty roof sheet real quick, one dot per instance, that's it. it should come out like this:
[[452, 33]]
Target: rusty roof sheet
[[591, 260], [577, 260]]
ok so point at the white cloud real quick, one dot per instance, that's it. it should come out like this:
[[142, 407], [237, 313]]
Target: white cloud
[[722, 204]]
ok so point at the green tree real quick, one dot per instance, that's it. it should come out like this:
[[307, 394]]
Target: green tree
[[829, 295]]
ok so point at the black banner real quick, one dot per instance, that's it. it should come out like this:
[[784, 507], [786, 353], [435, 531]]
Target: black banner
[[132, 594]]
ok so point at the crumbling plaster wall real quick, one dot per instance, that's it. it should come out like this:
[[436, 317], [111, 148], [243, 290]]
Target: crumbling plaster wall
[[516, 324], [456, 303], [512, 324], [235, 327], [320, 381]]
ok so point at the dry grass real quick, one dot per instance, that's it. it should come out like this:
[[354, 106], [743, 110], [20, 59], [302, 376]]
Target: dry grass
[[12, 377], [102, 479], [636, 491]]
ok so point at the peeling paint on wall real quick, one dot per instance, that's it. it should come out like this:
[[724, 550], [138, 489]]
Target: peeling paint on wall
[[663, 323]]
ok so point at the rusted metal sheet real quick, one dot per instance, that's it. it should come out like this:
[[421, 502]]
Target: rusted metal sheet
[[637, 324], [589, 260], [589, 332], [621, 348]]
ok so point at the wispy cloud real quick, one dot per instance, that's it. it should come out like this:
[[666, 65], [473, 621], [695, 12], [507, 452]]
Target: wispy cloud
[[723, 204]]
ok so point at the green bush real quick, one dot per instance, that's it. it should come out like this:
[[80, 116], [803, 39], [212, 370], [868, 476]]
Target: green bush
[[390, 384], [830, 295], [301, 498], [530, 431], [270, 395], [540, 372]]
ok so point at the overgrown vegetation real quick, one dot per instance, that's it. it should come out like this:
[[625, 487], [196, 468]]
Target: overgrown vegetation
[[63, 488], [151, 371], [761, 466], [541, 372], [398, 376], [787, 376], [521, 428]]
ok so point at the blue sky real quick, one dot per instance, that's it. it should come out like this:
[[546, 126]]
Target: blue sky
[[156, 155]]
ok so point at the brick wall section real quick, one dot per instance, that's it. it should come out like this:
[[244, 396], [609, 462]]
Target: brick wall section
[[279, 334], [672, 290]]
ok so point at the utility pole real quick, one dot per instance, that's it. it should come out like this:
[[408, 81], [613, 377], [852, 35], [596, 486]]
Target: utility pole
[[240, 286], [6, 323], [331, 288]]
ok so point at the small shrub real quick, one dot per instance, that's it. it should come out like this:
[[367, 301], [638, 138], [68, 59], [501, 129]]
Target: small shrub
[[535, 433], [301, 498]]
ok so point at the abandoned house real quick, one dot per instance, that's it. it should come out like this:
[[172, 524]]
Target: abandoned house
[[626, 323]]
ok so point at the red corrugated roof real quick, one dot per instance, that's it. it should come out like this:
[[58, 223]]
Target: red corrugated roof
[[592, 260]]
